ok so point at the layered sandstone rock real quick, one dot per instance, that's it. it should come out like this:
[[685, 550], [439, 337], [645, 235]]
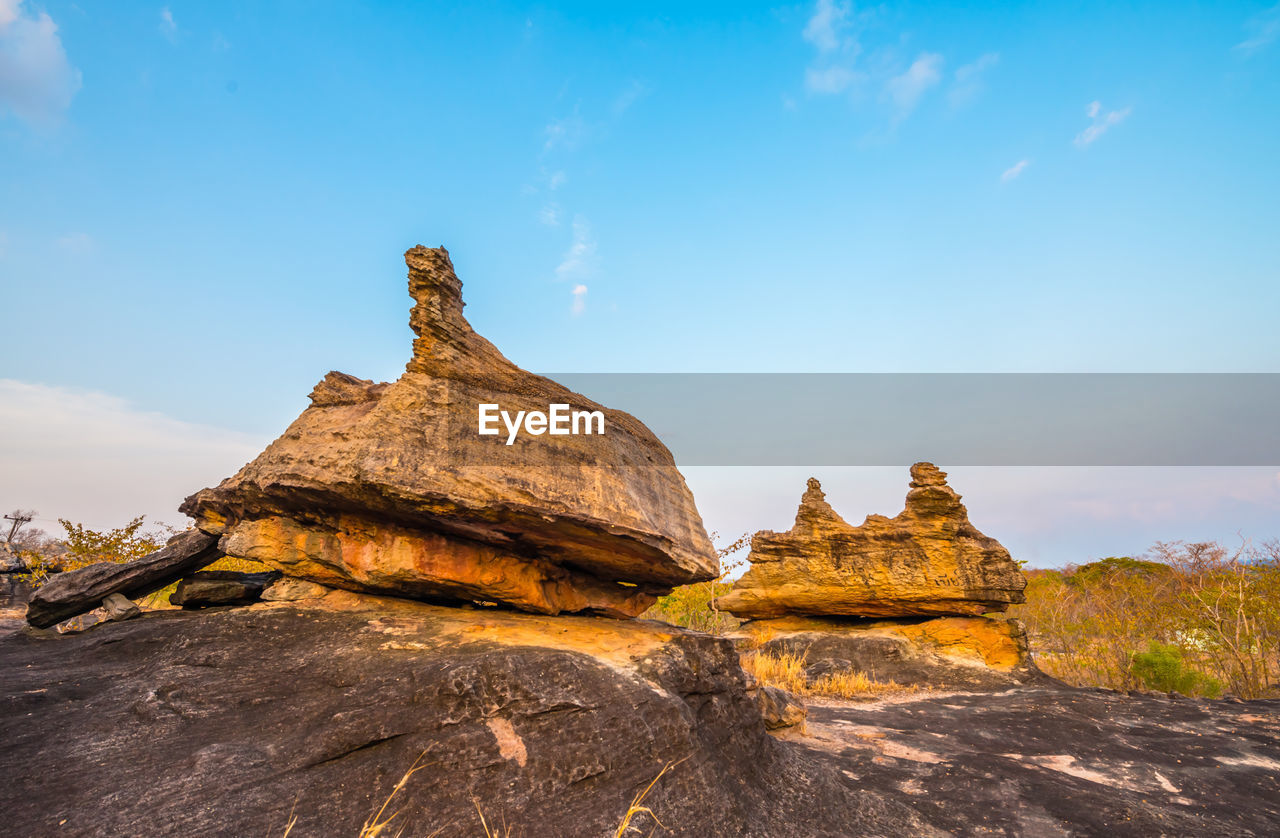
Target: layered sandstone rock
[[929, 560], [946, 653], [389, 488]]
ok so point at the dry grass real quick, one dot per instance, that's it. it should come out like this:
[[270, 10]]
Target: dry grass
[[786, 671]]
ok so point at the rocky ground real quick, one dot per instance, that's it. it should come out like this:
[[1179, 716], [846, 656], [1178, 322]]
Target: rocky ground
[[223, 722], [1063, 762]]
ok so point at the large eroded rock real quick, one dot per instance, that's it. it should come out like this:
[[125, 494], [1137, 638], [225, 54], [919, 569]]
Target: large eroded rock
[[929, 560], [226, 722], [389, 488]]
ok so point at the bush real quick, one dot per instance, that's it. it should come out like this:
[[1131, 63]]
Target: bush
[[1162, 668]]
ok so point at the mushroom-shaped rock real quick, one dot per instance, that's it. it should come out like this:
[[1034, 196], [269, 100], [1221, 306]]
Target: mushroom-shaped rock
[[390, 488], [929, 560]]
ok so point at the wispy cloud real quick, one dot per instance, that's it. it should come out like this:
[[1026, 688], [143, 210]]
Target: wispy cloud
[[828, 79], [579, 304], [1014, 170], [1101, 122], [1263, 29], [968, 81], [579, 259], [550, 215], [634, 92], [906, 89], [827, 24], [168, 26], [37, 82], [566, 133]]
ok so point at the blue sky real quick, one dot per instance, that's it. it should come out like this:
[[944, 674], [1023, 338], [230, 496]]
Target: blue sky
[[203, 208]]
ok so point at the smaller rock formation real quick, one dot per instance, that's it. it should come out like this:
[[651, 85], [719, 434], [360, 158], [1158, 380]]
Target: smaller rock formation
[[80, 591], [779, 708], [927, 561], [824, 589], [221, 587], [120, 607]]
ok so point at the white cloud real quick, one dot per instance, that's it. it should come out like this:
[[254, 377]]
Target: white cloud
[[97, 459], [37, 82], [828, 79], [826, 25], [968, 79], [1263, 28], [1101, 122], [168, 26], [579, 300], [556, 180], [906, 89], [1014, 170], [579, 259]]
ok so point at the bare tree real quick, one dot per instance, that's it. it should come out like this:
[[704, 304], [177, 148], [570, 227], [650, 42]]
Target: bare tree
[[20, 518]]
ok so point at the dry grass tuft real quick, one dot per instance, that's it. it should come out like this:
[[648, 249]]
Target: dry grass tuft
[[377, 824], [786, 671]]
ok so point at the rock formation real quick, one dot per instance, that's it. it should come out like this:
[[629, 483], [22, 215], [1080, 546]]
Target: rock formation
[[390, 489], [70, 594], [860, 599], [927, 561]]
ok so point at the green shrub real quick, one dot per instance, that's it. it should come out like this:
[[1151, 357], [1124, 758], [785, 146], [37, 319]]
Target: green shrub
[[1162, 668]]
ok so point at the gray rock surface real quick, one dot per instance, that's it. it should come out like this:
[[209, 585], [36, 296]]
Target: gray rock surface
[[221, 722]]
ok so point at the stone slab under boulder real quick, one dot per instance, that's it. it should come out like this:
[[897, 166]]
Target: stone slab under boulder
[[120, 607], [288, 589], [77, 592], [221, 587], [929, 560], [941, 653], [390, 488], [224, 722]]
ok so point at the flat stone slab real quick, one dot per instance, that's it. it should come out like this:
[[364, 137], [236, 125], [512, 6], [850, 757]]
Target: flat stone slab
[[76, 592], [221, 587]]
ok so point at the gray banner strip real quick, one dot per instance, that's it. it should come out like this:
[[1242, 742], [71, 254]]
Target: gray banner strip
[[998, 419]]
